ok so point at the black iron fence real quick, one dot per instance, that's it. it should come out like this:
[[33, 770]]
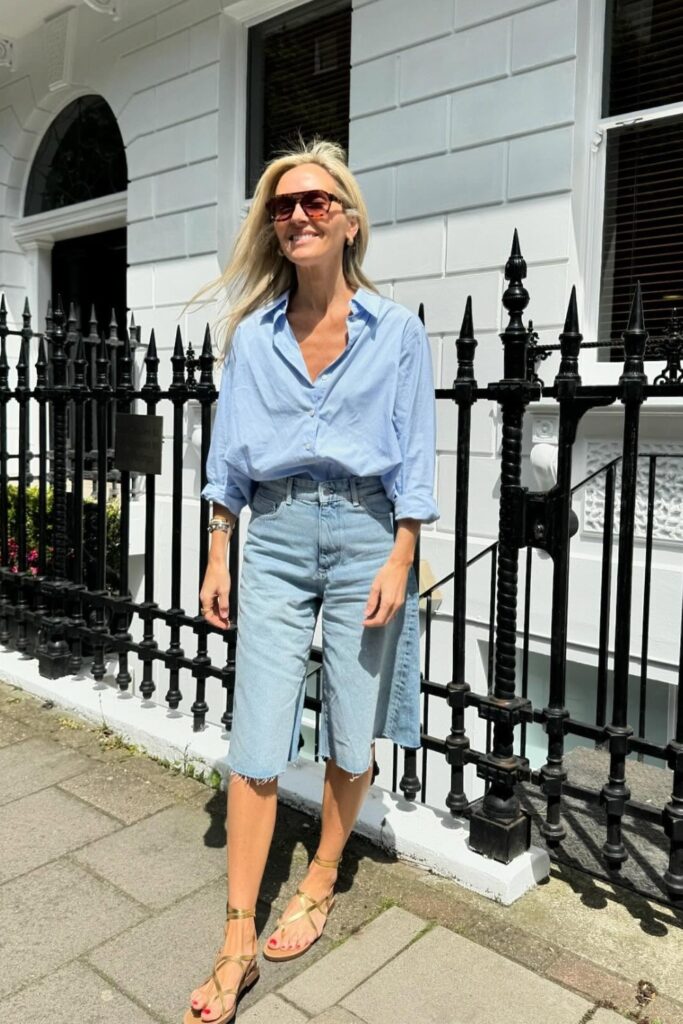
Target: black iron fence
[[49, 610]]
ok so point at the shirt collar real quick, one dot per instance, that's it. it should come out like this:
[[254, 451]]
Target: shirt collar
[[363, 300]]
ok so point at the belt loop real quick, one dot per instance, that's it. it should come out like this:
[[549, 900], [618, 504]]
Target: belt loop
[[354, 491], [290, 481]]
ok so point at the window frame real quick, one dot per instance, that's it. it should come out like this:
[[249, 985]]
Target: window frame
[[256, 34]]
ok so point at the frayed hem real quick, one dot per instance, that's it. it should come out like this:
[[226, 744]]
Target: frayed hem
[[234, 776]]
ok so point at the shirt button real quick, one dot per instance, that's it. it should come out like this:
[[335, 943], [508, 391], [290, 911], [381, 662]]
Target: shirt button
[[307, 447], [324, 376], [311, 412]]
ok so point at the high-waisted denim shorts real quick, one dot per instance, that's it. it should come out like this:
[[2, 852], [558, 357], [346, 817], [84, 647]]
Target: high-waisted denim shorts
[[310, 546]]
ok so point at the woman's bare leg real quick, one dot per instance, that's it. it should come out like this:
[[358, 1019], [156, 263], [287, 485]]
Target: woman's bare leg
[[252, 808], [343, 796]]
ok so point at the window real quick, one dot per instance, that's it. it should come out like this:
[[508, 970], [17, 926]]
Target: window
[[81, 157], [643, 209], [298, 81]]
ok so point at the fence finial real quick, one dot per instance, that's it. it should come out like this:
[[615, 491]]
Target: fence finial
[[126, 365], [41, 365], [102, 364], [206, 361], [635, 339], [79, 364], [94, 334], [465, 344], [178, 362], [515, 337], [151, 365], [570, 343]]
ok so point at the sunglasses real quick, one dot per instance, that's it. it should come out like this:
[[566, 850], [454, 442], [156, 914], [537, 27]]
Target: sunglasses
[[315, 203]]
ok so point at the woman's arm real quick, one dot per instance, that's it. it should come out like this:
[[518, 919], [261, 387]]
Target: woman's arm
[[388, 591], [214, 596]]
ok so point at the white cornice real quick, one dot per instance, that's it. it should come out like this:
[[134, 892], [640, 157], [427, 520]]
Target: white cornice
[[87, 218]]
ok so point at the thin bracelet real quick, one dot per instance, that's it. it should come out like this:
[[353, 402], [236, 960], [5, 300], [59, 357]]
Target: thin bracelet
[[218, 523]]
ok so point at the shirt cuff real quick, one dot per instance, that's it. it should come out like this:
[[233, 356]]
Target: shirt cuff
[[409, 506], [234, 503]]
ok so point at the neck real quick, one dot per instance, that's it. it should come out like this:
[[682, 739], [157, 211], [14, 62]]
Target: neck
[[318, 289]]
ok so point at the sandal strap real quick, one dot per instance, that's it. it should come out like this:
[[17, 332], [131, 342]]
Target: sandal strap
[[220, 991], [313, 905], [326, 863], [234, 914]]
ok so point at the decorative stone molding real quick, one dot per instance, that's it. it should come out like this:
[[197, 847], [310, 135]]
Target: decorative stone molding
[[58, 42], [7, 54], [111, 7], [100, 214], [543, 454], [668, 510]]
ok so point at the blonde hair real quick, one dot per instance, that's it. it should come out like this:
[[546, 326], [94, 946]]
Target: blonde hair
[[258, 271]]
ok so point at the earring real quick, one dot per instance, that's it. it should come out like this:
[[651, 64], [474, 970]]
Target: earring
[[349, 242]]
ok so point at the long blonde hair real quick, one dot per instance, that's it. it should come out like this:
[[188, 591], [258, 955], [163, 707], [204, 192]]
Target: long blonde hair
[[258, 271]]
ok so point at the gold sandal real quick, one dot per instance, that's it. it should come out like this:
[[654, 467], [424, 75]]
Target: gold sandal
[[305, 909], [249, 978]]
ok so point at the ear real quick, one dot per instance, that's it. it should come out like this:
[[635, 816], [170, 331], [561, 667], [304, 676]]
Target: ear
[[351, 231]]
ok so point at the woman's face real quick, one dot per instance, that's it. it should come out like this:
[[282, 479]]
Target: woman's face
[[306, 241]]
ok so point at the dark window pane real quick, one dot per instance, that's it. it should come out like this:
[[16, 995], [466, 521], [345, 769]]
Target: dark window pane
[[81, 157], [299, 73], [643, 225], [643, 55]]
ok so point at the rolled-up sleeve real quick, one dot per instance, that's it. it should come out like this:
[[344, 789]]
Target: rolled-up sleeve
[[414, 421], [225, 484]]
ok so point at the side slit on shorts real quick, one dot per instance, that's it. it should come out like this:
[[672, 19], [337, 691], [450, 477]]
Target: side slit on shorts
[[315, 548]]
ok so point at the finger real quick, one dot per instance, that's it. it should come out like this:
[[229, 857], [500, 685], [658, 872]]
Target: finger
[[374, 600], [223, 604]]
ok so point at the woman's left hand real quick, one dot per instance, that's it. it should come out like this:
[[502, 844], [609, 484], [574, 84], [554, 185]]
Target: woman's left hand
[[387, 594]]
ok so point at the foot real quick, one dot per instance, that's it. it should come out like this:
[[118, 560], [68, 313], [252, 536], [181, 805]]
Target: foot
[[240, 940], [318, 883]]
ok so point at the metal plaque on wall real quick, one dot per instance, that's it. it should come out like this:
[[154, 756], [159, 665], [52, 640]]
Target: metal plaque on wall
[[138, 443]]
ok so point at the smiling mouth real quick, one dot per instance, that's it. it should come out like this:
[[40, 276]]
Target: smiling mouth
[[302, 237]]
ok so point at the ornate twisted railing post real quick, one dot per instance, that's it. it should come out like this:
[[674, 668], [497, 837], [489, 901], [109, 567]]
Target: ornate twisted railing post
[[53, 657], [615, 793], [465, 387], [120, 618], [80, 392], [499, 828]]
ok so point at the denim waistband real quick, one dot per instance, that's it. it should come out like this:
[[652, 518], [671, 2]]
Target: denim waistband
[[346, 486]]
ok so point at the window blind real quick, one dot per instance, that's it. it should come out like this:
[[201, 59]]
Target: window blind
[[643, 55], [299, 79], [643, 225]]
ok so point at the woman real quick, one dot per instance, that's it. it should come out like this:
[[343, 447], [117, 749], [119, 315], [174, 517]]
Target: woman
[[325, 428]]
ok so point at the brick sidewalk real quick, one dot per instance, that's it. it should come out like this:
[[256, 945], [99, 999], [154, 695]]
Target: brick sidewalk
[[112, 894]]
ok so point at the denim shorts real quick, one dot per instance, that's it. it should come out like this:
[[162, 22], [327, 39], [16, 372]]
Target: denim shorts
[[313, 546]]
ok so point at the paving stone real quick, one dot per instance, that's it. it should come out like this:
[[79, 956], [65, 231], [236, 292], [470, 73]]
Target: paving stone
[[67, 989], [43, 827], [271, 1009], [347, 966], [336, 1015], [54, 914], [160, 961], [158, 860], [419, 986], [13, 731], [34, 764], [119, 791]]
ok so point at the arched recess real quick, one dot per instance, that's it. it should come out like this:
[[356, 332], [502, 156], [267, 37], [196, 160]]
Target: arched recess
[[81, 157], [74, 204]]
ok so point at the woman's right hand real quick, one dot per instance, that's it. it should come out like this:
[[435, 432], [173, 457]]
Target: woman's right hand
[[214, 595]]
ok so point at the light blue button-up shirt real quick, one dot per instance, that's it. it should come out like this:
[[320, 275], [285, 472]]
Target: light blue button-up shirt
[[371, 412]]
